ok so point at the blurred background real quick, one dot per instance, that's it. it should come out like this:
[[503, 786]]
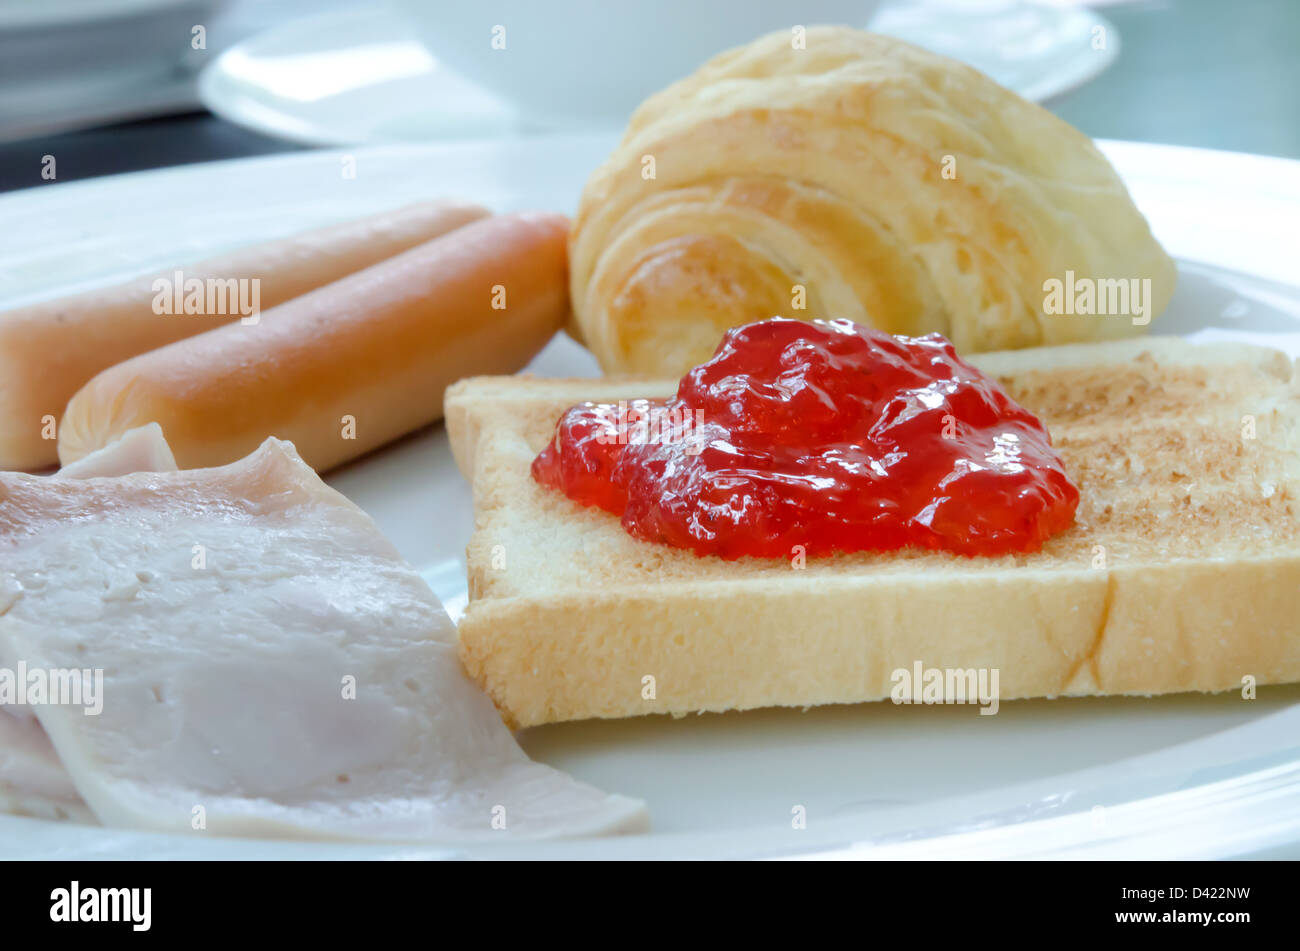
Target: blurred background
[[113, 86]]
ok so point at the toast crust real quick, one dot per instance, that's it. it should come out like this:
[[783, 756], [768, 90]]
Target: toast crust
[[1182, 572]]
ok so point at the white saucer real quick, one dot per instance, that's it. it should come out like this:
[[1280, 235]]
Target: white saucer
[[1038, 50], [359, 76]]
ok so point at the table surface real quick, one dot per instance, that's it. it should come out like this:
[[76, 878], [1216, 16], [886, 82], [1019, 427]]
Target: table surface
[[1220, 74]]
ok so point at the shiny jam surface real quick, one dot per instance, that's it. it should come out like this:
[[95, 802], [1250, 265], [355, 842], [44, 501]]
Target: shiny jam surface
[[818, 437]]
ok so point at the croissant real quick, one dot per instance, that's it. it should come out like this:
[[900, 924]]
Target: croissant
[[856, 177]]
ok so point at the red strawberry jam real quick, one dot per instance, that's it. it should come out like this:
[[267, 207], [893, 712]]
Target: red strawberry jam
[[826, 435]]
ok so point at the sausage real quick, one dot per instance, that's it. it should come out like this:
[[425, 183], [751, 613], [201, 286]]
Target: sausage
[[350, 366], [50, 349]]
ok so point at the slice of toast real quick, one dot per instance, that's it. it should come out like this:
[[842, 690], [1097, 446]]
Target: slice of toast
[[1181, 573]]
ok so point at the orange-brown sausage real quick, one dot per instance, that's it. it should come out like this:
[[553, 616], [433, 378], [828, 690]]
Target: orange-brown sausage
[[347, 367], [49, 350]]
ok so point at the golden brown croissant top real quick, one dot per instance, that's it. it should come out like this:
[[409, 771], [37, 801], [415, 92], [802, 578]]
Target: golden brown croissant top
[[863, 178]]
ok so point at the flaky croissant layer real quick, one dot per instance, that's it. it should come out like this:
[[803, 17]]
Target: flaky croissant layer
[[839, 173]]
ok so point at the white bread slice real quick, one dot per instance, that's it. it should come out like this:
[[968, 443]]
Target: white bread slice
[[1181, 573]]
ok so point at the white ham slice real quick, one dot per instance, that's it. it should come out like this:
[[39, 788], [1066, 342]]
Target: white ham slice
[[33, 781], [227, 665], [143, 449]]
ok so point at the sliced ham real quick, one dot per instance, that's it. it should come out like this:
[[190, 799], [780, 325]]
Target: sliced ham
[[272, 667]]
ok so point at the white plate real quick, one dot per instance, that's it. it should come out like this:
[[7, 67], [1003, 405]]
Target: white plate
[[1176, 776], [359, 76]]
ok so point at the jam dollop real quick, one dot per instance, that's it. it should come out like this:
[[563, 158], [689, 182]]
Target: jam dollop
[[817, 437]]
